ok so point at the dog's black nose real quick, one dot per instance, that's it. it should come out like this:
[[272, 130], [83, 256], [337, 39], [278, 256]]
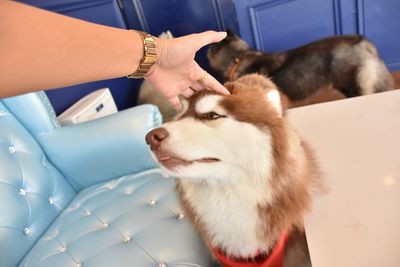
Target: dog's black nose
[[155, 137]]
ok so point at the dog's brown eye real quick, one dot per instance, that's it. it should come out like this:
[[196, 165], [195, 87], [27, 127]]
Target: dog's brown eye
[[213, 116]]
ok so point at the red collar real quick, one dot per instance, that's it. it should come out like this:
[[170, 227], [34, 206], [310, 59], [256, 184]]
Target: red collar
[[274, 259]]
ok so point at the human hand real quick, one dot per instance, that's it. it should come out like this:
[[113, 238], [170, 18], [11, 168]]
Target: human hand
[[176, 72]]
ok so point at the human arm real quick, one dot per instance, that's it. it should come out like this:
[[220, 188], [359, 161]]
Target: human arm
[[44, 50]]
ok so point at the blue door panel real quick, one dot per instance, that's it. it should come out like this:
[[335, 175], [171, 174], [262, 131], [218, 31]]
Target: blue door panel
[[280, 25], [179, 16], [227, 14], [131, 15], [244, 23], [381, 24], [104, 12], [347, 16]]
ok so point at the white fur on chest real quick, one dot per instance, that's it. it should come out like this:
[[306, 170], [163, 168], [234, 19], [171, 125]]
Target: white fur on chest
[[229, 214], [229, 209]]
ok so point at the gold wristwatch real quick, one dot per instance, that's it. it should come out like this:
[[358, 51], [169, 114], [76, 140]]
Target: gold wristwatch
[[149, 56]]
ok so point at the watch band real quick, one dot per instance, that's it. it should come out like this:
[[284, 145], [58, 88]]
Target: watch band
[[149, 56]]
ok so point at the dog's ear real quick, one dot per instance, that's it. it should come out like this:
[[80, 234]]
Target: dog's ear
[[274, 98], [230, 86]]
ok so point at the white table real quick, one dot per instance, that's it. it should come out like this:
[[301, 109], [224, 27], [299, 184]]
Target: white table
[[357, 141]]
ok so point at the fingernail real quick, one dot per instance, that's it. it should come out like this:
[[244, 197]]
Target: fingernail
[[224, 33]]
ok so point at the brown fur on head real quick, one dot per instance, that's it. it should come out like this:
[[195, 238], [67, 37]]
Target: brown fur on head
[[247, 164]]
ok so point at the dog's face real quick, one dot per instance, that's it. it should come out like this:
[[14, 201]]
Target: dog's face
[[222, 54], [218, 137]]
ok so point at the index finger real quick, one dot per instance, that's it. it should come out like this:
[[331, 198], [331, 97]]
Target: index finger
[[210, 83]]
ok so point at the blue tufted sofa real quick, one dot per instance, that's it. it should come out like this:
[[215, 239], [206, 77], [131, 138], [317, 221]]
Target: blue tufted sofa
[[87, 194]]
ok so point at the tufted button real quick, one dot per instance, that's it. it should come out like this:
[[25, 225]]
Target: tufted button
[[152, 202], [11, 149], [79, 264], [161, 264], [104, 225], [63, 249], [26, 231], [22, 192], [126, 239], [87, 213], [128, 192], [180, 216], [51, 200]]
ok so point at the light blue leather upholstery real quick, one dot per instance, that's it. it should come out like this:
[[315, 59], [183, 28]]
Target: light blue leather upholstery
[[104, 149], [32, 191], [34, 111], [130, 221], [88, 194]]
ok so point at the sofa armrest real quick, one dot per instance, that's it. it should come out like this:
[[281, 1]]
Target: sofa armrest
[[103, 149]]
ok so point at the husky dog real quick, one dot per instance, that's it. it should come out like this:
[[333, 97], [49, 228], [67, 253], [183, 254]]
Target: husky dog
[[244, 176], [350, 64]]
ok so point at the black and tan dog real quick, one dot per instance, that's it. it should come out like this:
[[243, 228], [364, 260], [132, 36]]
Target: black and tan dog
[[350, 64]]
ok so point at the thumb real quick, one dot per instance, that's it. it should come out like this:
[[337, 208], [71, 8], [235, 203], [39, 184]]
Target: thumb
[[204, 38]]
